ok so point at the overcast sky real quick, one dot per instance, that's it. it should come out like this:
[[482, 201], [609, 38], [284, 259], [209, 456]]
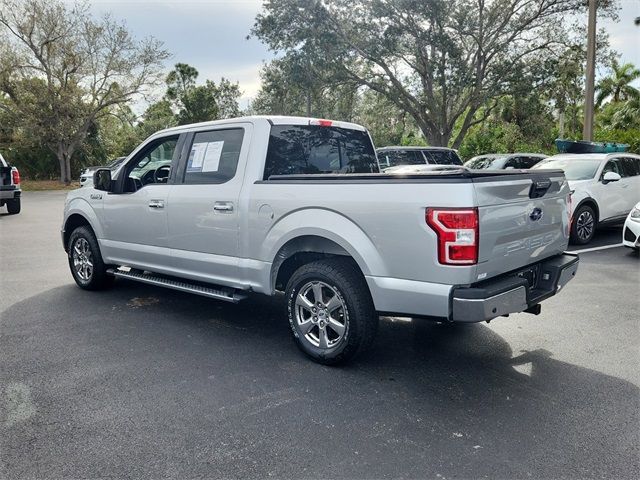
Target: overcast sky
[[211, 34]]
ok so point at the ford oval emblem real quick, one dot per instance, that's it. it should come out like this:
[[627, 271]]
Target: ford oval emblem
[[536, 214]]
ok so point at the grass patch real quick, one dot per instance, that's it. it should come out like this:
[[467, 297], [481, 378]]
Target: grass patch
[[40, 185]]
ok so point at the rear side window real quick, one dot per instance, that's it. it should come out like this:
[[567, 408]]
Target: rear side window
[[214, 155], [442, 157], [311, 149]]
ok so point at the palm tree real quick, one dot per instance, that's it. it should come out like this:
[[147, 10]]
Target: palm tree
[[618, 84]]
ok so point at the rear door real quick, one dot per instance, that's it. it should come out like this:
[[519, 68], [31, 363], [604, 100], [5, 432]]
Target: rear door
[[631, 192], [524, 218], [203, 204]]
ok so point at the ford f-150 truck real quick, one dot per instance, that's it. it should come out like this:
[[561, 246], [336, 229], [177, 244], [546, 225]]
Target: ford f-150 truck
[[267, 204], [10, 191]]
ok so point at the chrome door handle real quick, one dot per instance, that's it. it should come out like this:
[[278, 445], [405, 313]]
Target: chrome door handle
[[156, 203], [223, 207]]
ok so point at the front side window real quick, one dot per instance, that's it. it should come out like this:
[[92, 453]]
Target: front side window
[[214, 156], [630, 166], [311, 149], [151, 166]]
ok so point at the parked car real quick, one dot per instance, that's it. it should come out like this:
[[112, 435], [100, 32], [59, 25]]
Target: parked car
[[389, 157], [87, 174], [10, 191], [631, 230], [500, 161], [604, 187], [266, 204]]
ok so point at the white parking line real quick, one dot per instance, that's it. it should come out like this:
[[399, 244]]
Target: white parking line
[[585, 250]]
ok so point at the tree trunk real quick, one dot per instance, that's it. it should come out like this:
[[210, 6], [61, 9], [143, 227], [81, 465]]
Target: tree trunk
[[64, 160]]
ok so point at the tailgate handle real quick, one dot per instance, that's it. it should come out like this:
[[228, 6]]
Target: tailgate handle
[[539, 188]]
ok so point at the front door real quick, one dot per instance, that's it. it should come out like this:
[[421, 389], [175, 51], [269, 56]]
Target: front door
[[135, 218], [203, 208], [611, 195]]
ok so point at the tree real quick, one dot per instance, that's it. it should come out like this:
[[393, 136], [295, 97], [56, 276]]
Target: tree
[[617, 86], [61, 71], [441, 61], [199, 103]]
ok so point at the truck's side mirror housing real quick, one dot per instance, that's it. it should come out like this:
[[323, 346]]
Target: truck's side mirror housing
[[102, 179], [610, 177]]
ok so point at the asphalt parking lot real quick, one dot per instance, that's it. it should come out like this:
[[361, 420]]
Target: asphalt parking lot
[[145, 382]]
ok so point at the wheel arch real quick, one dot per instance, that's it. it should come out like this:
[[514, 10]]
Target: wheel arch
[[311, 233], [589, 201]]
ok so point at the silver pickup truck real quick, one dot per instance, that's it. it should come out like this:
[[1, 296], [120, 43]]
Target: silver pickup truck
[[267, 204]]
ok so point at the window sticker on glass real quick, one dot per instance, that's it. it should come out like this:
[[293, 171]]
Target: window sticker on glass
[[196, 157], [212, 156]]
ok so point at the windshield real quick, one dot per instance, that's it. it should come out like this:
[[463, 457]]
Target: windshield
[[574, 168], [479, 163]]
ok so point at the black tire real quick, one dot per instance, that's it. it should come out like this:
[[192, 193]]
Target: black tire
[[13, 206], [356, 316], [583, 225], [84, 246]]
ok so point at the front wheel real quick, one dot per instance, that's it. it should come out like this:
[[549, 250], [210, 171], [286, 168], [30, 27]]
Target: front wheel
[[85, 261], [330, 310], [583, 227]]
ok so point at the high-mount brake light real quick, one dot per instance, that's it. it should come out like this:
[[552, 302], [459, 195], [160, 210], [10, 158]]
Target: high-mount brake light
[[457, 232], [321, 123], [15, 176]]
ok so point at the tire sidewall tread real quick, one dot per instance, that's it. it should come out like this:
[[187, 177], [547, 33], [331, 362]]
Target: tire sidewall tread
[[574, 226], [100, 279], [362, 320]]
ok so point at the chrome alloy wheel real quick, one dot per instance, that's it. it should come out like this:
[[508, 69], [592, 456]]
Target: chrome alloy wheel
[[321, 315], [82, 259], [584, 225]]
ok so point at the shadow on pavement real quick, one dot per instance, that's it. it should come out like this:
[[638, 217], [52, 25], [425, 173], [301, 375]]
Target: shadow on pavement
[[139, 381]]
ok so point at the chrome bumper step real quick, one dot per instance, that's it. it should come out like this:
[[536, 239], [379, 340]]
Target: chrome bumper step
[[219, 293]]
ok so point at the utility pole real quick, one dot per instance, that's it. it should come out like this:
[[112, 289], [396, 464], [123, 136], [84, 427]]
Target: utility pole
[[587, 132]]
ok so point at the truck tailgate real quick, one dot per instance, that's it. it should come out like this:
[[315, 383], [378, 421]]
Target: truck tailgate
[[523, 219]]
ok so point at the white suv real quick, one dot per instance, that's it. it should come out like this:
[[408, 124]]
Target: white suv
[[604, 187]]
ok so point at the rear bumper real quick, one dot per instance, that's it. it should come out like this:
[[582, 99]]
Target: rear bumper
[[8, 192], [512, 293]]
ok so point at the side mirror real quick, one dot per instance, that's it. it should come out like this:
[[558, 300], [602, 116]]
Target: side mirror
[[610, 177], [102, 179]]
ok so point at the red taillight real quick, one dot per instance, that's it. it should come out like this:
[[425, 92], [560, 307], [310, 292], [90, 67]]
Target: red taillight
[[457, 231], [321, 123], [16, 176]]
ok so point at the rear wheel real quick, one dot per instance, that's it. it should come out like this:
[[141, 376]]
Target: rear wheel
[[330, 310], [583, 227], [85, 261], [13, 206]]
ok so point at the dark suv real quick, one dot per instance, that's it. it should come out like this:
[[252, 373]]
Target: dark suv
[[395, 156]]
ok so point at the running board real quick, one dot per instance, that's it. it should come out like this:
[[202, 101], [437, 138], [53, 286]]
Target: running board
[[220, 293]]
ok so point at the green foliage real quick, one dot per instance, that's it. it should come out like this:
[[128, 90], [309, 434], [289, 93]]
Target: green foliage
[[62, 71], [441, 61], [617, 86], [200, 103]]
